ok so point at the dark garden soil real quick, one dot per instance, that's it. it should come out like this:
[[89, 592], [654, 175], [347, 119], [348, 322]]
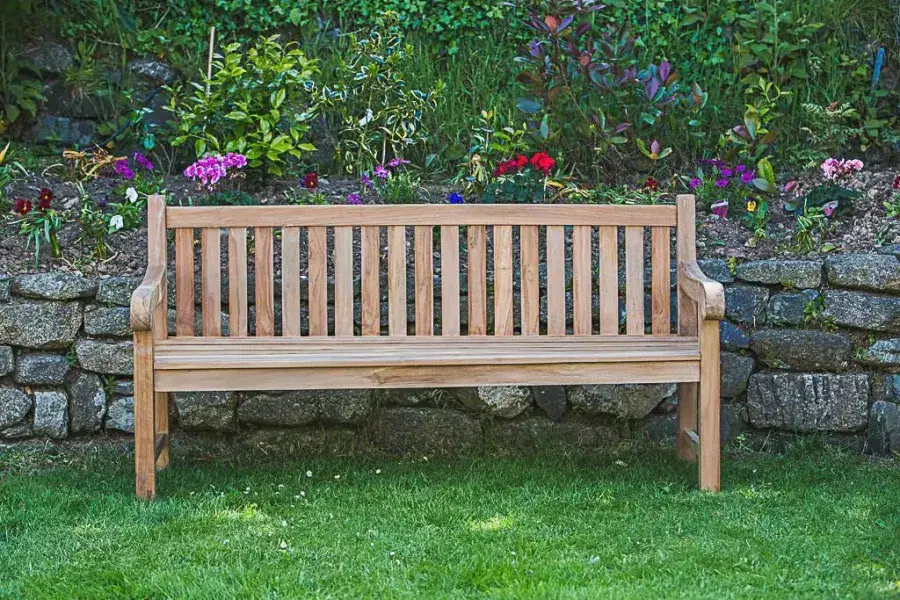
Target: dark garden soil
[[864, 227]]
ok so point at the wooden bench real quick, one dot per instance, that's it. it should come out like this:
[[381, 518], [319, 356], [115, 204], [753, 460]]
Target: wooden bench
[[502, 342]]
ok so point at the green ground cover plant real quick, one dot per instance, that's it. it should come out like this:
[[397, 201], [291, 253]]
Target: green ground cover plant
[[810, 520]]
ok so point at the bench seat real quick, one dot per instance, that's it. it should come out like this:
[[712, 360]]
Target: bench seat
[[198, 363]]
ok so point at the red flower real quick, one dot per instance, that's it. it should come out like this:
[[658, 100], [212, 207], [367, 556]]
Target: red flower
[[542, 162], [22, 206], [521, 161], [507, 166], [45, 198], [651, 185], [311, 181], [896, 184]]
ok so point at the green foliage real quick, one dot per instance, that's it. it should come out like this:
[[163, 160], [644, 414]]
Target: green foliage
[[836, 198], [376, 113], [231, 198], [811, 226], [490, 142], [258, 104], [42, 226], [94, 226], [829, 129], [20, 89]]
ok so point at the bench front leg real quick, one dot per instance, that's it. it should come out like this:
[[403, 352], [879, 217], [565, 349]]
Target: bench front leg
[[710, 409], [144, 416]]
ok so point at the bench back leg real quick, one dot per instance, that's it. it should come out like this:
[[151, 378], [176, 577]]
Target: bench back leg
[[144, 416], [710, 413]]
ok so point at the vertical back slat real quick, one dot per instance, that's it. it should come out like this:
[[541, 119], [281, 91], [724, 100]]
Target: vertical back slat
[[688, 323], [530, 279], [424, 280], [184, 282], [237, 281], [634, 280], [503, 280], [450, 280], [476, 246], [556, 280], [211, 281], [265, 282], [397, 280], [581, 279], [371, 292], [661, 321], [343, 281], [290, 281], [318, 281], [609, 280]]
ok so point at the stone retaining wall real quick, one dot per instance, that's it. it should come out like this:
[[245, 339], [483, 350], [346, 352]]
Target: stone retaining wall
[[807, 346]]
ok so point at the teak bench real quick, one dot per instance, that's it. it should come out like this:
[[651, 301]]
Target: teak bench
[[502, 342]]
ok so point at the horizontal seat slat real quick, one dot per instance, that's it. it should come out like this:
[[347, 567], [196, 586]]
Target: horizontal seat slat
[[659, 215]]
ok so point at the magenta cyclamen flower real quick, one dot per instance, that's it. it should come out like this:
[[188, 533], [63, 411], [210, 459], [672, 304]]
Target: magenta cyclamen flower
[[834, 169], [354, 198], [396, 162], [381, 172], [721, 183], [747, 177], [720, 209], [143, 161], [695, 183], [123, 169], [210, 169]]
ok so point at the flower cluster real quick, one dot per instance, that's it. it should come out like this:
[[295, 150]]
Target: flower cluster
[[143, 161], [45, 198], [725, 174], [834, 169], [539, 161], [354, 198], [212, 168], [124, 170]]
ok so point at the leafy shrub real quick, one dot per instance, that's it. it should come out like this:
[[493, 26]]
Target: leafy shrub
[[490, 142], [20, 90], [258, 105], [40, 224]]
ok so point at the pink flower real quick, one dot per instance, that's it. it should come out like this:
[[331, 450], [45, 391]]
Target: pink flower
[[720, 209], [829, 208], [834, 169], [381, 172], [396, 162]]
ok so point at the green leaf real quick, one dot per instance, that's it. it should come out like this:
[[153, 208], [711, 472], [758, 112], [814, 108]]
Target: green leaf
[[528, 106], [199, 147]]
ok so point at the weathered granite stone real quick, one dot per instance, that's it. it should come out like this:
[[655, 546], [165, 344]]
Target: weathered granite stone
[[206, 411], [534, 435], [51, 414], [55, 285], [289, 409], [501, 401], [107, 321], [732, 338], [884, 428], [49, 57], [884, 353], [789, 308], [5, 285], [424, 431], [117, 290], [875, 272], [736, 370], [154, 71], [552, 399], [629, 401], [801, 274], [407, 397], [863, 311], [716, 268], [123, 387], [53, 129], [121, 415], [87, 402], [892, 387], [14, 406], [16, 432], [746, 304], [304, 442], [801, 349], [112, 358], [39, 324], [7, 364], [41, 369], [808, 401], [343, 407], [890, 250]]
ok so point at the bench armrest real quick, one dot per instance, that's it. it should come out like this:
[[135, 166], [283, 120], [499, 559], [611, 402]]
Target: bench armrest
[[707, 293], [146, 298]]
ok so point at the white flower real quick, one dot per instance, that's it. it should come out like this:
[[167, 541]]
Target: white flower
[[116, 223], [369, 116], [131, 194]]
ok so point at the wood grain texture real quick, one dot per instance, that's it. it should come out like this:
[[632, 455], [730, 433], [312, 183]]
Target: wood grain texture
[[397, 280], [318, 281], [609, 280], [661, 294], [529, 245], [710, 412], [582, 287], [184, 282], [290, 281], [503, 280], [477, 262], [343, 281], [450, 280], [634, 280], [467, 214], [148, 301], [144, 416], [237, 282], [211, 281], [424, 269], [265, 282], [370, 239], [556, 281], [686, 250]]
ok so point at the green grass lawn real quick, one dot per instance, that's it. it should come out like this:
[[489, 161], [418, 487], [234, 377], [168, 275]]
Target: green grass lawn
[[810, 522]]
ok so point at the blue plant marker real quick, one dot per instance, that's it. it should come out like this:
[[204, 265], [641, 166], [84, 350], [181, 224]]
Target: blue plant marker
[[876, 72]]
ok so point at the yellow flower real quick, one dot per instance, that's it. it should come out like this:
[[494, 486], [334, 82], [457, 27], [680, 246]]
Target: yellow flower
[[751, 206]]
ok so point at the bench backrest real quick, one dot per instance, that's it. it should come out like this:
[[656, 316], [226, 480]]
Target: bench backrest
[[502, 268]]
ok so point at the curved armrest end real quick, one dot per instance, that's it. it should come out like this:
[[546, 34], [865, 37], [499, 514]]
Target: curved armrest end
[[145, 299], [707, 293]]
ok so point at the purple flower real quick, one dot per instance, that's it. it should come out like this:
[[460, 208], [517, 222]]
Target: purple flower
[[210, 169], [455, 198], [353, 198], [381, 172], [721, 183], [366, 181], [396, 162], [123, 169], [726, 172], [695, 183], [740, 169], [143, 161], [748, 177]]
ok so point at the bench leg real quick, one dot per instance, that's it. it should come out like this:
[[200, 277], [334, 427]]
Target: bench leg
[[710, 440], [686, 419], [144, 417], [161, 402]]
